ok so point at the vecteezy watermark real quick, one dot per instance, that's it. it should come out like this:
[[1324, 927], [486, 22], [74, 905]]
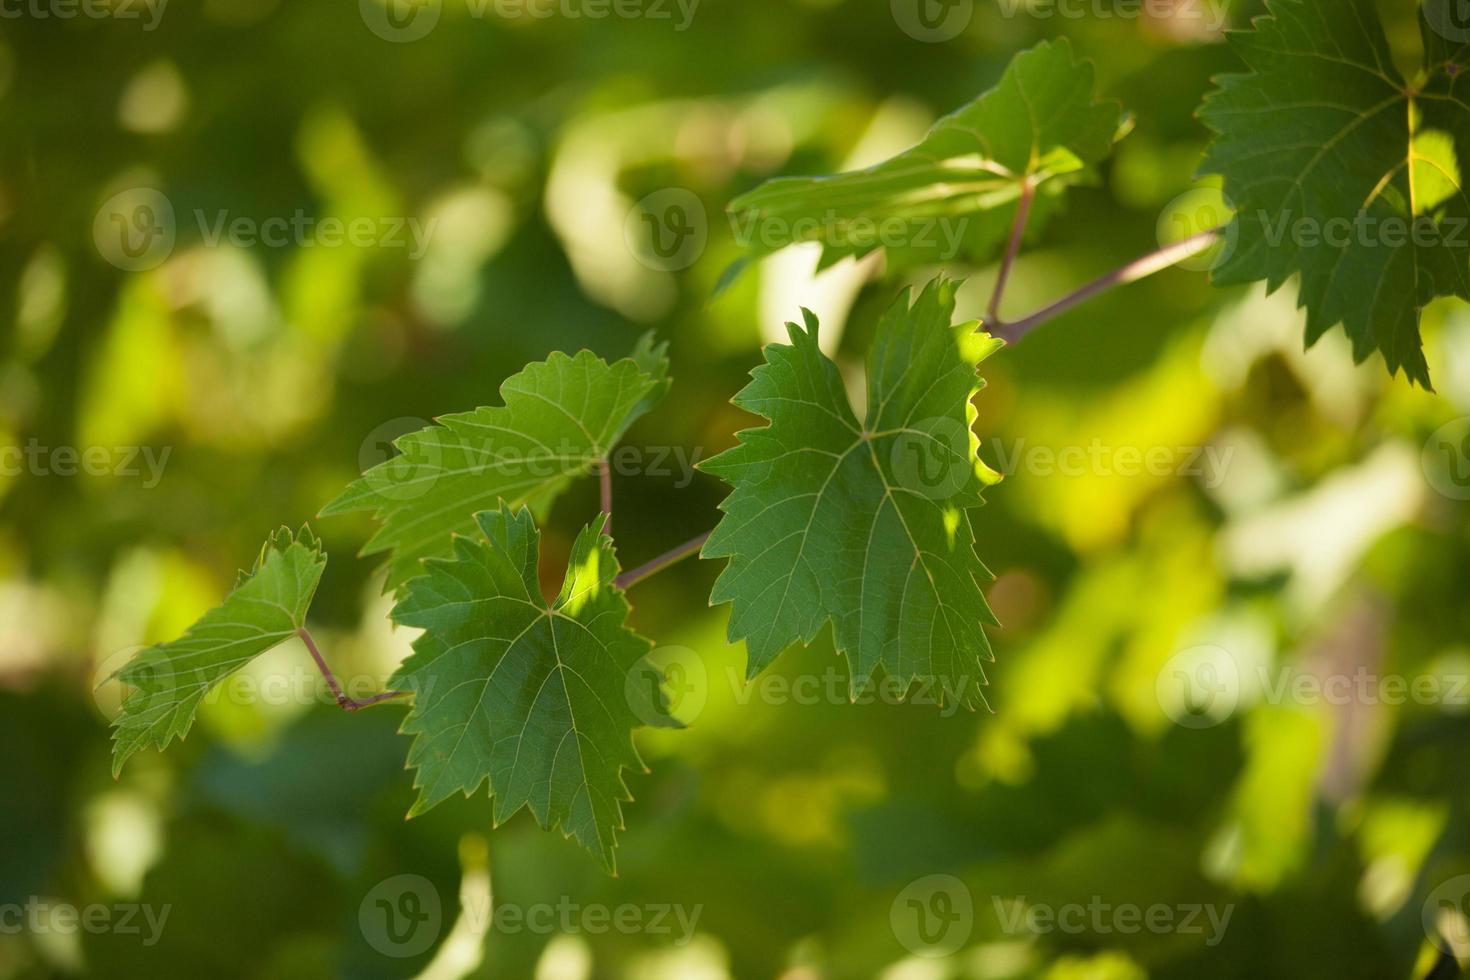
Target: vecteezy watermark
[[136, 230], [1446, 915], [1096, 917], [1202, 686], [1364, 230], [667, 230], [295, 684], [1212, 15], [67, 461], [149, 12], [1199, 687], [401, 21], [944, 236], [933, 916], [1446, 458], [1194, 212], [833, 686], [403, 915], [667, 680], [40, 917], [932, 21], [675, 678], [1450, 19], [401, 465], [935, 457]]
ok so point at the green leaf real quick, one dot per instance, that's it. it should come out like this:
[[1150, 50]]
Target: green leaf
[[267, 606], [533, 697], [958, 188], [1324, 149], [864, 525], [560, 417]]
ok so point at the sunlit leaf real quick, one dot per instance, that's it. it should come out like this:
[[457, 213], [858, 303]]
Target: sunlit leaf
[[1343, 172], [863, 524], [531, 696], [560, 418], [955, 193], [267, 606]]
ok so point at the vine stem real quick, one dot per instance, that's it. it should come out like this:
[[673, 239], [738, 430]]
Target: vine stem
[[343, 701], [1013, 248], [604, 479], [670, 557], [1139, 268]]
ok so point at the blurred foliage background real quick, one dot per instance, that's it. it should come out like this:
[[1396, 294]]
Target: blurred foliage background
[[1320, 542]]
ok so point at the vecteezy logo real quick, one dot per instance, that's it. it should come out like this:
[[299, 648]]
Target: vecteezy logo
[[1446, 915], [932, 21], [400, 475], [933, 916], [1446, 459], [667, 230], [134, 229], [1450, 19], [669, 680], [401, 916], [1199, 210], [932, 457], [1199, 687], [400, 21], [108, 693]]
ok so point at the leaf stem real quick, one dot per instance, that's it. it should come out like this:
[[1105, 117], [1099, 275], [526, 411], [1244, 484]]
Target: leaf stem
[[670, 557], [604, 479], [1013, 248], [343, 701], [1139, 268]]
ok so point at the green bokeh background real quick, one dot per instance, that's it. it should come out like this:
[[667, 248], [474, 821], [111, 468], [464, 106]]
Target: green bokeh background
[[1322, 541]]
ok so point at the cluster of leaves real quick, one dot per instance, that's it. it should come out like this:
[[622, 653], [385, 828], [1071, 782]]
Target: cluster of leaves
[[532, 696], [827, 520]]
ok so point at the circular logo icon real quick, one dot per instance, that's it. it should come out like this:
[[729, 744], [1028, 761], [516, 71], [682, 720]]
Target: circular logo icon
[[401, 916], [667, 230], [933, 916], [400, 21], [108, 692], [667, 682], [932, 21], [398, 468], [1200, 210], [1446, 459], [134, 230], [933, 457], [1199, 687], [1450, 19], [1446, 915]]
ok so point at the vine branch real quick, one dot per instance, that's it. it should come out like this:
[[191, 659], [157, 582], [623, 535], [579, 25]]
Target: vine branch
[[343, 701], [670, 557], [1139, 268], [604, 479], [1013, 248]]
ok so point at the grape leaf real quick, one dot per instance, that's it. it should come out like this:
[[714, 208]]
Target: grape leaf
[[865, 525], [560, 418], [957, 187], [1340, 170], [533, 697], [266, 607]]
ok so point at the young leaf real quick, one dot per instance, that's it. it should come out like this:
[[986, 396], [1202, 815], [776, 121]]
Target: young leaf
[[268, 605], [864, 525], [561, 416], [533, 698], [1341, 171], [958, 188]]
